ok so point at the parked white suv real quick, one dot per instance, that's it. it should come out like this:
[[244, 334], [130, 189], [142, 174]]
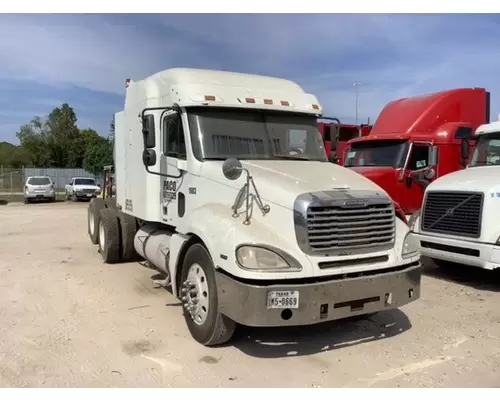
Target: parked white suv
[[39, 188]]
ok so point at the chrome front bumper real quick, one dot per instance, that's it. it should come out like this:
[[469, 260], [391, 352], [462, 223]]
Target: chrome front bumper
[[246, 304]]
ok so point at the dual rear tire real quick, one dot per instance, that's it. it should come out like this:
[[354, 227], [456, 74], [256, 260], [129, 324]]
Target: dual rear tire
[[112, 230]]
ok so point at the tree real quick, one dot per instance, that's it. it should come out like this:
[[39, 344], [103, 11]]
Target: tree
[[34, 138], [64, 137], [58, 142], [98, 155], [112, 128], [12, 156]]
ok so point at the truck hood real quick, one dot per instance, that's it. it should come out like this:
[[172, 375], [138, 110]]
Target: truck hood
[[476, 179], [376, 174], [384, 177], [281, 181]]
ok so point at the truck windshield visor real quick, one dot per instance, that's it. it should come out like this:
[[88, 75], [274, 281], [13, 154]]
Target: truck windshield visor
[[377, 153], [487, 150], [218, 133]]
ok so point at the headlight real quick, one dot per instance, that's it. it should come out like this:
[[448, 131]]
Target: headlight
[[410, 246], [265, 259]]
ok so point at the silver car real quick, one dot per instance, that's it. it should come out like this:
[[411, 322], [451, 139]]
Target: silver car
[[39, 188]]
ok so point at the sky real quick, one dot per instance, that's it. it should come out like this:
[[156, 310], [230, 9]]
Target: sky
[[47, 60]]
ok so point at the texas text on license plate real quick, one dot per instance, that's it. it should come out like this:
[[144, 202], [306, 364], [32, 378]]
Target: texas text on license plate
[[283, 299]]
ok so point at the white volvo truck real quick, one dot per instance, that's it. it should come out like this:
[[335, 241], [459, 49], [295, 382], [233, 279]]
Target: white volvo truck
[[223, 185], [458, 221]]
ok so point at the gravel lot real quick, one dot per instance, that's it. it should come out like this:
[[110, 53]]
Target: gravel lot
[[68, 320]]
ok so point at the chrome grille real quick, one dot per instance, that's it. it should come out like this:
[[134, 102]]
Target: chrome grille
[[334, 228], [86, 190], [453, 213]]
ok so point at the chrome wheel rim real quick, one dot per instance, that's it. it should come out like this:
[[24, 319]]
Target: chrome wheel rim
[[195, 295]]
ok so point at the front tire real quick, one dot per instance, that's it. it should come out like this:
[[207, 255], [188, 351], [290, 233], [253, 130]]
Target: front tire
[[199, 298]]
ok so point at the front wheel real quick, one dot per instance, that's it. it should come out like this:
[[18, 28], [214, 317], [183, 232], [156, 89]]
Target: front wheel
[[199, 299]]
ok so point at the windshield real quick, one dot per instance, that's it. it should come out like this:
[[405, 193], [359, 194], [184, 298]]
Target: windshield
[[254, 135], [487, 150], [84, 182], [39, 181], [379, 153]]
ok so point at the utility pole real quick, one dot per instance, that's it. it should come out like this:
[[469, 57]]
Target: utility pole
[[356, 85]]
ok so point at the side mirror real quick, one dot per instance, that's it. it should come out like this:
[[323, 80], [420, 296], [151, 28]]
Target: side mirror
[[148, 131], [149, 157], [464, 150], [232, 169], [429, 174]]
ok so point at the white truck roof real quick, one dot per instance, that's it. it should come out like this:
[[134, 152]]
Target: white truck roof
[[195, 87], [488, 128]]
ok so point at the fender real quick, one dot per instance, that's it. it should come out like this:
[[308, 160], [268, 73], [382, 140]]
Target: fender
[[219, 232]]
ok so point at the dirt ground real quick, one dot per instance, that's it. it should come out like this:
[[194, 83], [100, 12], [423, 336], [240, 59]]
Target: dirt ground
[[68, 320]]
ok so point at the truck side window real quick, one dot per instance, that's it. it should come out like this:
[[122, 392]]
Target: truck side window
[[174, 144], [419, 158], [463, 132]]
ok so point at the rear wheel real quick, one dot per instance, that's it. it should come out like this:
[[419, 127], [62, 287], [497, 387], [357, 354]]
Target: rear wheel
[[128, 226], [199, 298], [93, 218], [109, 236]]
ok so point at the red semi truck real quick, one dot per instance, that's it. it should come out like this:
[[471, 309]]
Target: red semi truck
[[415, 140], [336, 136]]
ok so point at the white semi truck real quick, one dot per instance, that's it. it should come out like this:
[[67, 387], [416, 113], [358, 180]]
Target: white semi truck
[[223, 185], [457, 223]]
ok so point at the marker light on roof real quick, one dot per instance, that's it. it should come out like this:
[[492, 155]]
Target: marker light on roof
[[209, 98], [250, 100], [285, 103], [316, 107], [268, 101]]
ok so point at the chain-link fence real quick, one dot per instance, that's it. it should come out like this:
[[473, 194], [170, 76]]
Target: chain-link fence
[[12, 180]]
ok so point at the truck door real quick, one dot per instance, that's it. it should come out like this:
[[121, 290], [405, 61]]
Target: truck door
[[174, 152], [419, 162]]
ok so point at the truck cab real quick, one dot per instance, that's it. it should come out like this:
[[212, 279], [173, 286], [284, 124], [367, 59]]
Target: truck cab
[[458, 223], [224, 187], [417, 140], [336, 136]]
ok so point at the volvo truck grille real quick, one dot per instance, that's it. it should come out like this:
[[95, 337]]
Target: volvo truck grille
[[453, 213], [346, 224]]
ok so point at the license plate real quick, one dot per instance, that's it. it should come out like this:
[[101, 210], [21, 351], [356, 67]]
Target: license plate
[[283, 299], [89, 194]]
